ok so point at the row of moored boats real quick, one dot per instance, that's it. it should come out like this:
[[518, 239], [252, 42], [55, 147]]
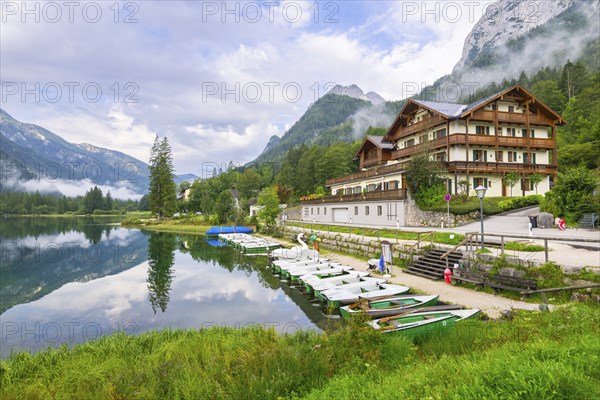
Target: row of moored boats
[[248, 244], [391, 307]]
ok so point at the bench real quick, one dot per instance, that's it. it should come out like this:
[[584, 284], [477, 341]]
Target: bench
[[513, 283], [505, 282], [464, 275]]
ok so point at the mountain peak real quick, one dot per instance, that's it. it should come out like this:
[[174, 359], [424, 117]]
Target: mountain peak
[[510, 20], [356, 92]]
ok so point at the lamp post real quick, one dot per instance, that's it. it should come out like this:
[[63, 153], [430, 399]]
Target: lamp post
[[480, 190]]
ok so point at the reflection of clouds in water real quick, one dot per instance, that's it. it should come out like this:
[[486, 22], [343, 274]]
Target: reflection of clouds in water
[[113, 296], [120, 235], [202, 294], [72, 238], [205, 284]]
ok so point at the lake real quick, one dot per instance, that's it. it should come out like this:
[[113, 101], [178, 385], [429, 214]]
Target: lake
[[69, 280]]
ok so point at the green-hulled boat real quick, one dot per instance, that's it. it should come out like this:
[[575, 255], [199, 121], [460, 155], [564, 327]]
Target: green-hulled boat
[[387, 307], [416, 325]]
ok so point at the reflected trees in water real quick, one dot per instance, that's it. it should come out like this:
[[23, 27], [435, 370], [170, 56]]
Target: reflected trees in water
[[161, 258]]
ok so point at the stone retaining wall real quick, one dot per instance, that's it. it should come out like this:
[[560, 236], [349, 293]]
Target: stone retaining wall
[[414, 216], [336, 241]]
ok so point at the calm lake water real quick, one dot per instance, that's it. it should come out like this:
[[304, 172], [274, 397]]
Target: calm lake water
[[68, 280]]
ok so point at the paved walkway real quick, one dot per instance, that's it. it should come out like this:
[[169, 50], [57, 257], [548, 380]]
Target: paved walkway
[[572, 253]]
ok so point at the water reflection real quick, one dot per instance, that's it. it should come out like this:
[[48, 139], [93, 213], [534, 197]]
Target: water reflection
[[59, 251], [122, 278], [161, 257]]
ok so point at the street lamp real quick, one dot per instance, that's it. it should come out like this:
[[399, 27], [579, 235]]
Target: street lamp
[[480, 190]]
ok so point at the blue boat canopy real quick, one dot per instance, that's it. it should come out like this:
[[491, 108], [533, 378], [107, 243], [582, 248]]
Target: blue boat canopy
[[215, 230]]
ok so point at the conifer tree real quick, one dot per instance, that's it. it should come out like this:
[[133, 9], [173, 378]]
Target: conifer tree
[[163, 199]]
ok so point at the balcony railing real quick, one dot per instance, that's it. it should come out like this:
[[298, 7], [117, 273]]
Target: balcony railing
[[367, 162], [408, 151], [394, 194], [490, 167], [513, 117], [418, 126], [375, 172]]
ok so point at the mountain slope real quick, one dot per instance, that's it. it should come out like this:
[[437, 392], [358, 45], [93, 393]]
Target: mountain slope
[[343, 114], [29, 151], [522, 40]]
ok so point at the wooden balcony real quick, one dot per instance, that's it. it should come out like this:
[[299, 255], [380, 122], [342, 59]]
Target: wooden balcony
[[514, 117], [368, 162], [491, 167], [379, 195], [503, 141], [408, 151], [372, 173], [418, 126]]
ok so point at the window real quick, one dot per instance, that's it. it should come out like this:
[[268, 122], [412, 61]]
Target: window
[[440, 133], [379, 210], [424, 138], [312, 211], [512, 156], [317, 210], [499, 131], [480, 155], [499, 156], [355, 210], [533, 158], [523, 111], [324, 210], [532, 133], [524, 132], [525, 158], [511, 109], [511, 132], [480, 182], [440, 157], [449, 186], [494, 107], [409, 143], [482, 130], [366, 210]]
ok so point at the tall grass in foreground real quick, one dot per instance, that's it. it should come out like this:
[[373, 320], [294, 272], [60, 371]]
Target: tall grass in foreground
[[536, 355]]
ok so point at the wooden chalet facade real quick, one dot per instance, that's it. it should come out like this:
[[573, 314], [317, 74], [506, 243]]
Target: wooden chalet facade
[[477, 143]]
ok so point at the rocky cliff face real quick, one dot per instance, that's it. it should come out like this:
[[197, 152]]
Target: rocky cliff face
[[506, 20], [355, 92]]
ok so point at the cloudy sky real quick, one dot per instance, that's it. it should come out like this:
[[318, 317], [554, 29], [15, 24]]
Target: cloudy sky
[[217, 78]]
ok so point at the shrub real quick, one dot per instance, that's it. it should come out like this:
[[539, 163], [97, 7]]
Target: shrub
[[520, 202]]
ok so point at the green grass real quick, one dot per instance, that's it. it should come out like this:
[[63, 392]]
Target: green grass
[[470, 204], [462, 205], [438, 237], [191, 224], [520, 246], [553, 355]]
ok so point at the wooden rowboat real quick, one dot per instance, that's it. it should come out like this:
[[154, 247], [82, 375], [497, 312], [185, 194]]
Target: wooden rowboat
[[389, 306], [416, 325]]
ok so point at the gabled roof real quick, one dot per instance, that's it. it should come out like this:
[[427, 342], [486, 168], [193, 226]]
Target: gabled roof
[[378, 142], [518, 88], [455, 110]]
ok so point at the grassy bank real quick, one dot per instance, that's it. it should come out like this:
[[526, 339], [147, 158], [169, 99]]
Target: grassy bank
[[536, 355], [192, 224], [438, 237]]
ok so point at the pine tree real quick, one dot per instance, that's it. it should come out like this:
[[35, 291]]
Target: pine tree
[[163, 198], [108, 201]]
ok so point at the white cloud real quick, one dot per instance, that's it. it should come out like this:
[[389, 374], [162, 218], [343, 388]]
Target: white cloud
[[174, 54]]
